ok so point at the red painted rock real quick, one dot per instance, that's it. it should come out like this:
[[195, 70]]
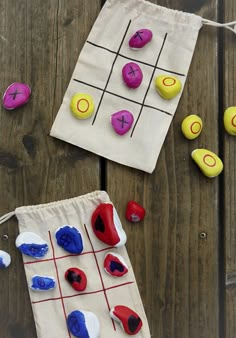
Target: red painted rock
[[132, 75], [107, 226], [127, 318], [115, 265], [16, 95], [140, 38], [122, 121], [76, 278], [134, 212]]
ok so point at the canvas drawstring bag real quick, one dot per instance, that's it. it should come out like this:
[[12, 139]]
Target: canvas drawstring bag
[[98, 73]]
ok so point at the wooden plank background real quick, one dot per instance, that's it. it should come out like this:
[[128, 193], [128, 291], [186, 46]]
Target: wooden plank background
[[184, 252]]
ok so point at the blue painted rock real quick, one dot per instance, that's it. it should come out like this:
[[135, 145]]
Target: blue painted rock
[[134, 212], [127, 318], [115, 265], [42, 283], [140, 38], [132, 75], [76, 278], [107, 226], [70, 239], [31, 244], [5, 259], [16, 95], [83, 324], [122, 121]]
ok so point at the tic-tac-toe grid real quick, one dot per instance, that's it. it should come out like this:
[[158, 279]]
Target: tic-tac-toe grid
[[100, 288]]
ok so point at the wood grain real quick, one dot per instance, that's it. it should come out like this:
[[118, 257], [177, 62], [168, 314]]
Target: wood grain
[[40, 43], [176, 270]]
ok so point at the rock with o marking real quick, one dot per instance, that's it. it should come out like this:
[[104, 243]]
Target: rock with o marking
[[191, 126], [209, 163], [31, 244], [140, 38], [16, 95], [168, 86], [230, 120], [122, 121], [70, 239], [132, 75], [129, 320], [83, 324], [82, 106], [42, 283], [5, 259]]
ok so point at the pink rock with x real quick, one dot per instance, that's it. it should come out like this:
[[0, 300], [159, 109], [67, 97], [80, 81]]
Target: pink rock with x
[[16, 95], [122, 121]]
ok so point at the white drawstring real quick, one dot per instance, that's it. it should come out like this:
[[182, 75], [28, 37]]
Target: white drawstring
[[226, 25], [7, 216]]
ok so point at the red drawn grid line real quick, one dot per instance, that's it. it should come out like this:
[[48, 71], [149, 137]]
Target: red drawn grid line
[[71, 255], [58, 280], [100, 275], [82, 293]]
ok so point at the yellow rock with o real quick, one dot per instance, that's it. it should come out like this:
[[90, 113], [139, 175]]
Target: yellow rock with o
[[209, 163], [168, 86], [230, 120], [82, 106], [191, 126]]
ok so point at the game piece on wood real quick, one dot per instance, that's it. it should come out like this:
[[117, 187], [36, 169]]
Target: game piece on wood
[[134, 212], [191, 126], [5, 259], [16, 95], [230, 120], [209, 163]]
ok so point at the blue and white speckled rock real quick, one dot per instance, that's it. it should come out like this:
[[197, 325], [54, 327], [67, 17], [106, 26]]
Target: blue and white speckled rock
[[31, 244], [42, 283], [83, 324], [5, 259], [70, 239]]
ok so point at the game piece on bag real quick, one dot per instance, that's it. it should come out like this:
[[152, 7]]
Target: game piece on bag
[[114, 264], [82, 106], [70, 239], [230, 120], [209, 163], [107, 225], [191, 126], [77, 278], [83, 324], [122, 121], [16, 95], [134, 212], [129, 320], [5, 259], [140, 38], [132, 75], [31, 244], [168, 86], [42, 283]]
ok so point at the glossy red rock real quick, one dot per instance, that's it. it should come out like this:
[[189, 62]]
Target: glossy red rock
[[107, 226], [115, 265], [127, 318], [134, 212], [76, 278]]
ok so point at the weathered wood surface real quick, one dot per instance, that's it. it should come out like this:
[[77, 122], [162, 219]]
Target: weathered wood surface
[[180, 273]]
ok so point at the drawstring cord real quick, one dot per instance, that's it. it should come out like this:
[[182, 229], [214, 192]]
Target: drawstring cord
[[227, 25], [7, 216]]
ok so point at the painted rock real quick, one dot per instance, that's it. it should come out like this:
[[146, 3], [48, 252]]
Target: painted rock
[[107, 226], [5, 259], [140, 38], [76, 278], [83, 324], [132, 75], [16, 95], [122, 121], [134, 212], [82, 106], [127, 318], [70, 239], [230, 120], [209, 163], [42, 283], [191, 126], [31, 244], [115, 265], [168, 86]]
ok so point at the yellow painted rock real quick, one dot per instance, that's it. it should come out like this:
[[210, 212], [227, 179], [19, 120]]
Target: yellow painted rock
[[191, 126], [82, 105], [230, 120], [209, 163], [168, 86]]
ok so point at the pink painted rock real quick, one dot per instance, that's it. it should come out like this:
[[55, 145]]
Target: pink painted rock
[[16, 95], [140, 38], [122, 121], [132, 75]]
